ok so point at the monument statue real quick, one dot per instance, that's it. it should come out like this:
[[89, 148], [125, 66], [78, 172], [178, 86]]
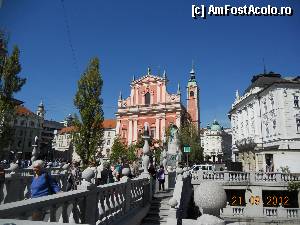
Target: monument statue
[[35, 149], [146, 148], [173, 144]]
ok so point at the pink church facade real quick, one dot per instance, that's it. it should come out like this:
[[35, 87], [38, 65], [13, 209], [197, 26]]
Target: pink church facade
[[149, 101]]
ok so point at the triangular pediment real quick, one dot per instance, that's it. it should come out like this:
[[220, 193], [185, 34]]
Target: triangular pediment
[[148, 78]]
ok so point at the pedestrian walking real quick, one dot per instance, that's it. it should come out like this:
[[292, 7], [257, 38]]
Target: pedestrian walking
[[161, 178], [42, 185], [106, 175]]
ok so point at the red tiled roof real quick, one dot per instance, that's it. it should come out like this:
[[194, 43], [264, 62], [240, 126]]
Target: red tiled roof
[[67, 130], [110, 123], [21, 110]]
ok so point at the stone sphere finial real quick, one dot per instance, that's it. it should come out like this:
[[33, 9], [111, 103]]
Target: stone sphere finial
[[211, 197], [88, 174], [126, 171], [173, 202]]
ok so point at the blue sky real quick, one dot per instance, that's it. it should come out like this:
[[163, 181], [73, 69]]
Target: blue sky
[[128, 36]]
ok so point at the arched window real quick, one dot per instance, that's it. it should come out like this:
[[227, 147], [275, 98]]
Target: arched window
[[147, 98], [192, 94]]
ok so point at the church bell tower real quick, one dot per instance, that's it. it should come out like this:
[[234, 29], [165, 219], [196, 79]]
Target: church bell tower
[[193, 99]]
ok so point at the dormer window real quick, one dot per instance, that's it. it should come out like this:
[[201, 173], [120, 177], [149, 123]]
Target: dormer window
[[296, 101], [192, 94], [147, 98]]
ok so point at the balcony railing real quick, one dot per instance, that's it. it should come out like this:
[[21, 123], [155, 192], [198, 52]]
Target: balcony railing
[[232, 177]]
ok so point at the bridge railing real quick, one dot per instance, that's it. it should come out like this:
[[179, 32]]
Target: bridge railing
[[181, 198], [94, 205], [29, 171], [16, 187], [232, 177]]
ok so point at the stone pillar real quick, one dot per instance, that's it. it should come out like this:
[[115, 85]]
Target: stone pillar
[[157, 129], [135, 130], [130, 131]]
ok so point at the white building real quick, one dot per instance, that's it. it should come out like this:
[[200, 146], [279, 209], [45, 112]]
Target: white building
[[26, 126], [216, 143], [266, 124], [63, 146]]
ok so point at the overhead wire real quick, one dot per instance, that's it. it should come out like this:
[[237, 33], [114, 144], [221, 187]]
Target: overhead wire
[[68, 30]]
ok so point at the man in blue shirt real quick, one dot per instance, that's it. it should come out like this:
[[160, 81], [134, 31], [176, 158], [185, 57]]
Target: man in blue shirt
[[42, 183]]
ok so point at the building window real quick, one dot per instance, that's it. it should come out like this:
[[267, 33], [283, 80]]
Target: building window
[[152, 133], [19, 143], [108, 142], [16, 122], [29, 144], [298, 124], [32, 124], [296, 101], [21, 133], [147, 98], [192, 94], [22, 122], [108, 134]]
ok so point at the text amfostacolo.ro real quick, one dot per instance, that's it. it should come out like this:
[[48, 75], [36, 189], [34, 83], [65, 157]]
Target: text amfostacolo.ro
[[203, 11]]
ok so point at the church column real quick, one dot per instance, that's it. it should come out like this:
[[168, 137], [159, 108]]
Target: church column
[[178, 117], [163, 126], [151, 97], [157, 129], [164, 93], [118, 126], [136, 96], [132, 96], [135, 130], [158, 93], [130, 132]]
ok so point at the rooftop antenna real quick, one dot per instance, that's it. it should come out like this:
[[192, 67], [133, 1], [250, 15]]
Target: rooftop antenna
[[265, 70]]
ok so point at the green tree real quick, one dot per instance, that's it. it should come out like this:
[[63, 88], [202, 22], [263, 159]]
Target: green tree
[[10, 83], [118, 150], [89, 128], [131, 153], [189, 136]]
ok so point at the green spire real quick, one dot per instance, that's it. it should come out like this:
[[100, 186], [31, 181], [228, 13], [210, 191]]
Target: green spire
[[192, 73]]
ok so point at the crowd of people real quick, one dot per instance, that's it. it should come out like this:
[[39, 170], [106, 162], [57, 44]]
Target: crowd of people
[[44, 184]]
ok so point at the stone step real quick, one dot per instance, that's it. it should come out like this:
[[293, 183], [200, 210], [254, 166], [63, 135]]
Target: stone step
[[154, 220]]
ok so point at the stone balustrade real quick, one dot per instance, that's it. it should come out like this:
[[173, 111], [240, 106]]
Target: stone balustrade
[[16, 186], [181, 197], [276, 213], [106, 204], [29, 171], [233, 177]]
